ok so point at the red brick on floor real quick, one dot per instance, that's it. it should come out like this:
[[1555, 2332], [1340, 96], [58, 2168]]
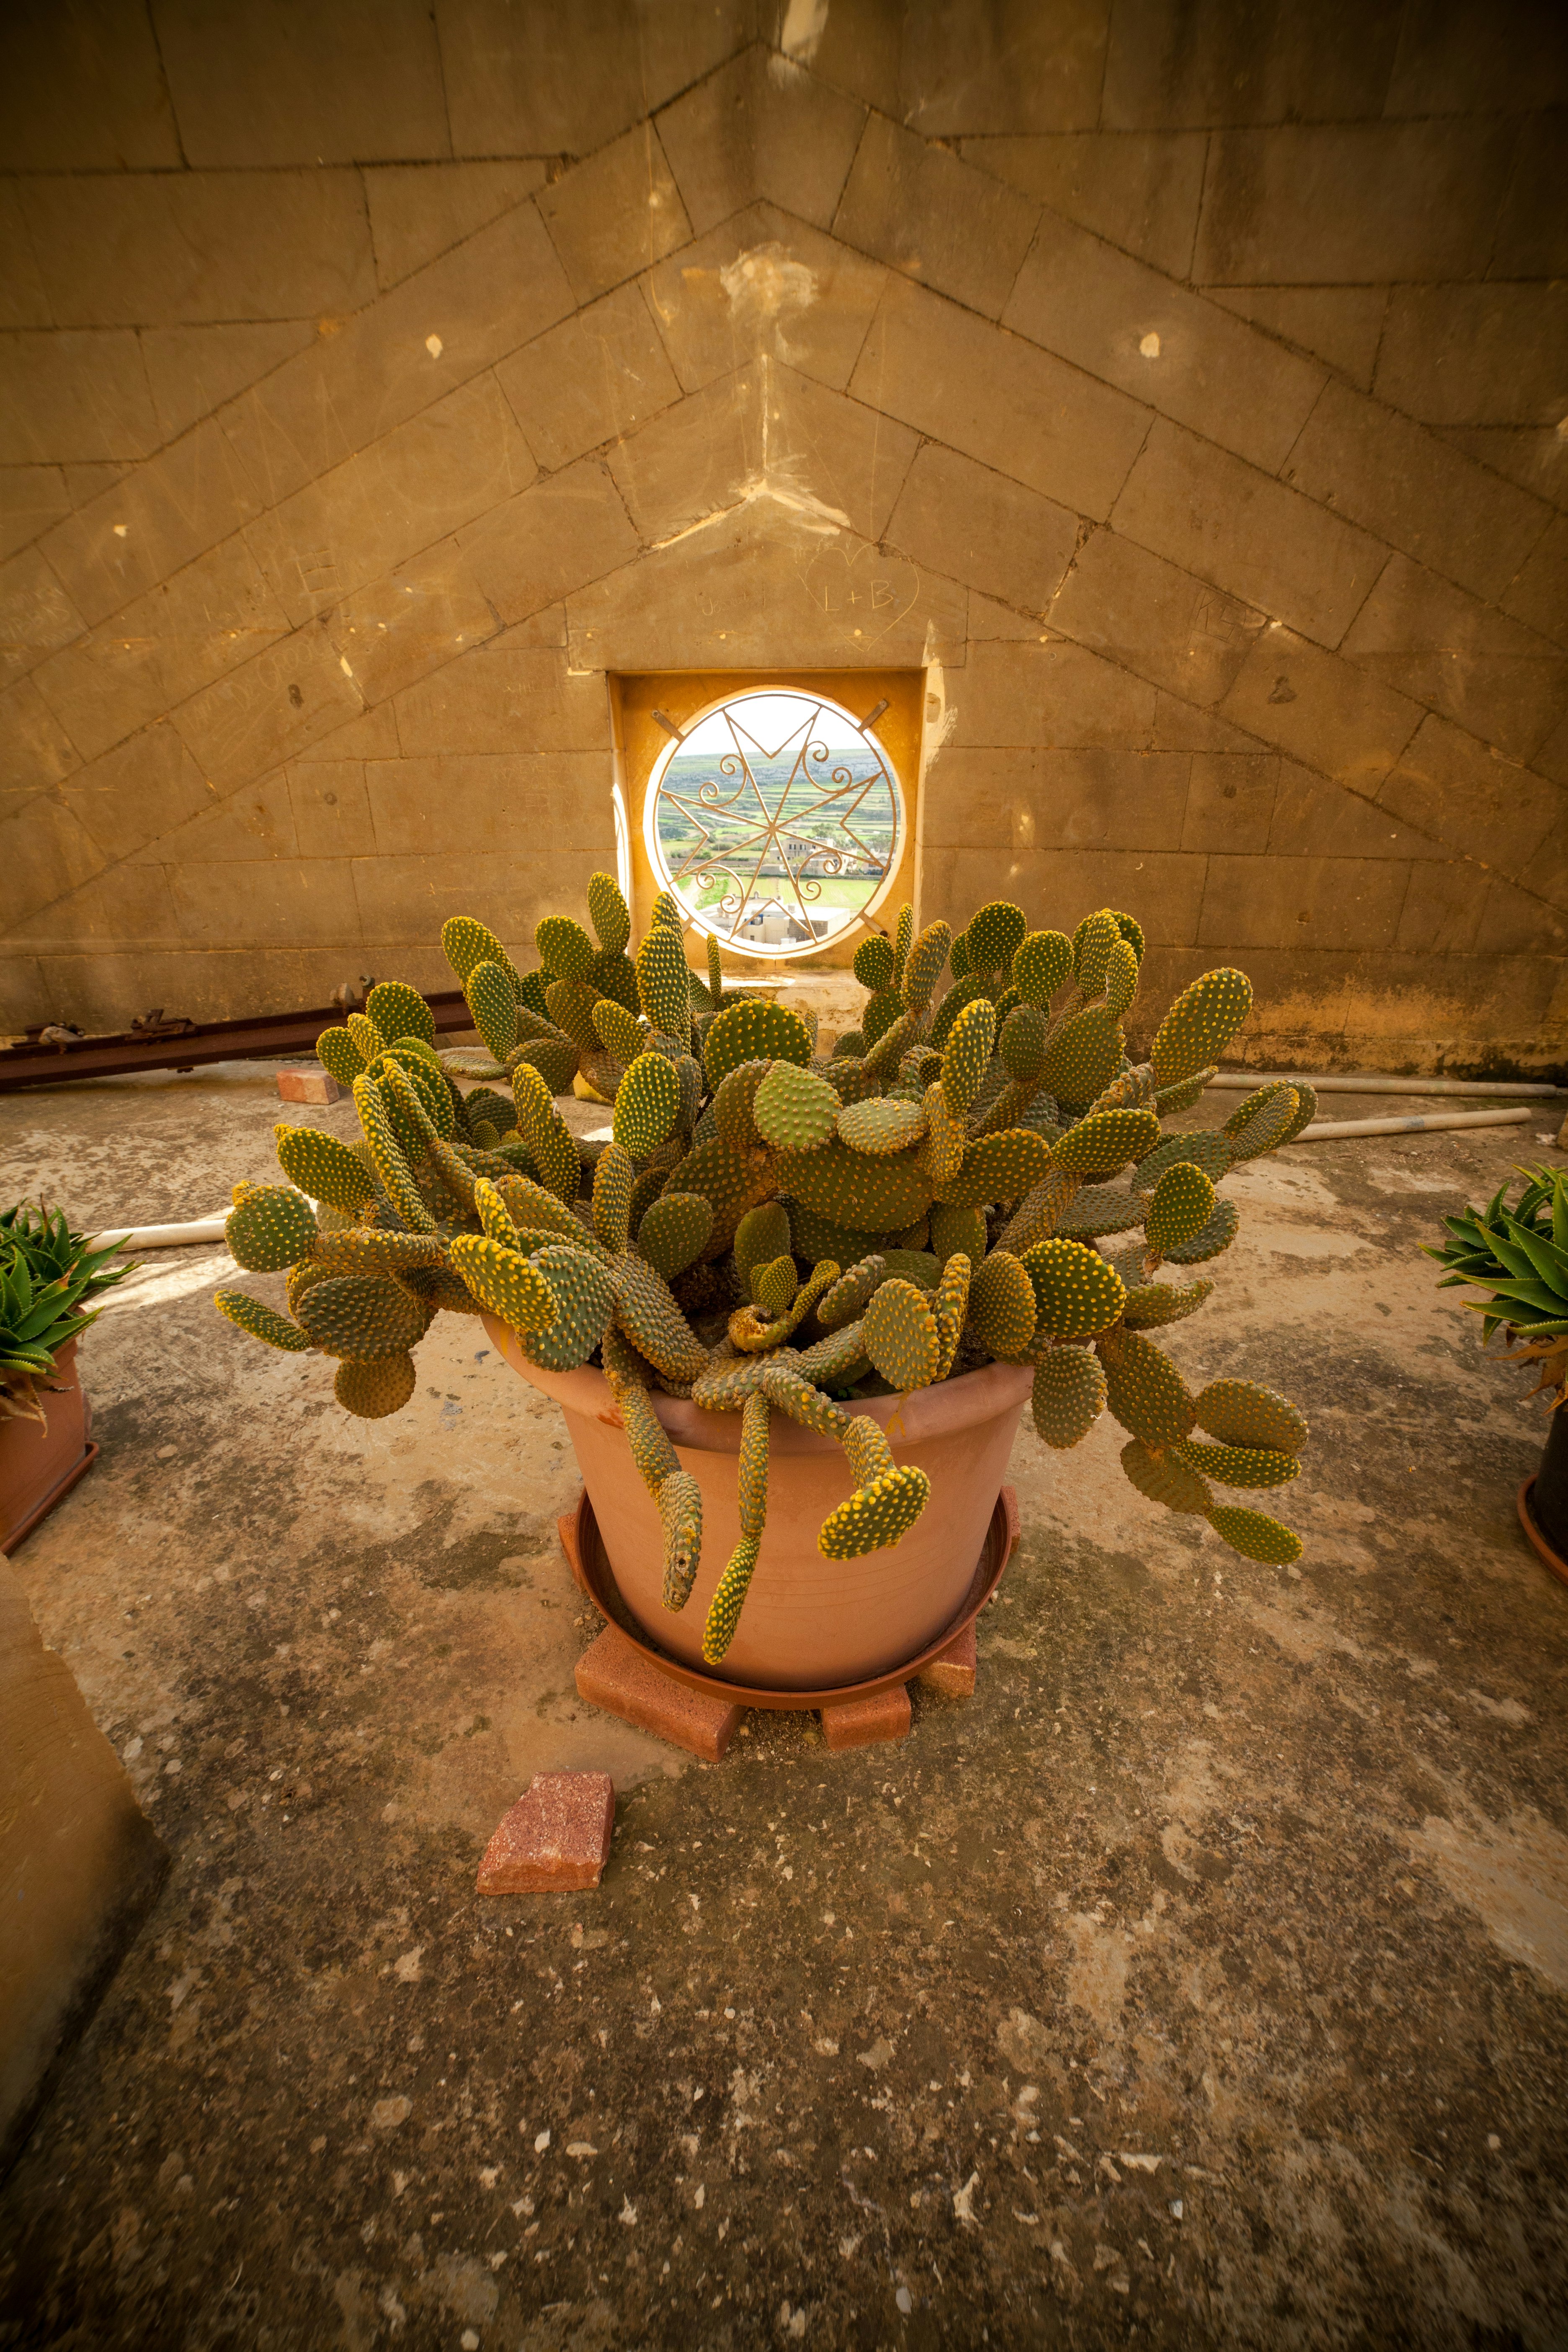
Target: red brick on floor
[[952, 1672], [614, 1675], [861, 1722], [555, 1839], [308, 1085]]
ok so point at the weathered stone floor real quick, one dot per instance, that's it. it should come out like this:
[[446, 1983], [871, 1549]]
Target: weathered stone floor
[[1202, 1981]]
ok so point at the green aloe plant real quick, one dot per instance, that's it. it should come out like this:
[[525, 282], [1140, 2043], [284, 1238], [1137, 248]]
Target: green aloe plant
[[1519, 1255], [48, 1274]]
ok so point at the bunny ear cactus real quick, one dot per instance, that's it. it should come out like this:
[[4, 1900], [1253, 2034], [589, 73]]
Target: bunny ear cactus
[[975, 1173]]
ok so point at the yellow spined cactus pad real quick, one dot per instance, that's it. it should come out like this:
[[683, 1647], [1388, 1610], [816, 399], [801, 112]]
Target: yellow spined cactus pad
[[900, 1336], [1240, 1412], [749, 1031], [373, 1391], [1165, 1478], [1076, 1295], [362, 1316], [880, 1124], [271, 1227], [1002, 1305], [1200, 1024], [647, 1106], [1068, 1396], [877, 1515], [792, 1109]]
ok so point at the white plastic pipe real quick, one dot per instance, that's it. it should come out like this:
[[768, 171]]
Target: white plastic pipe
[[1326, 1131], [1243, 1081], [140, 1237]]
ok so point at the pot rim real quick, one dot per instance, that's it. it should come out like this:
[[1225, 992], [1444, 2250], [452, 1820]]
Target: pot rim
[[946, 1407]]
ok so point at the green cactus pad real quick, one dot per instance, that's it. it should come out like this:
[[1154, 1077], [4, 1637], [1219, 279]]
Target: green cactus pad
[[965, 991], [647, 1314], [729, 1598], [946, 1139], [1165, 1478], [878, 1126], [390, 1167], [954, 1230], [999, 1168], [879, 1014], [750, 1031], [673, 1231], [647, 1106], [492, 1214], [1205, 1148], [1217, 1235], [866, 1449], [1101, 1209], [399, 1011], [466, 943], [903, 932], [338, 1056], [1041, 964], [666, 911], [1076, 1293], [564, 948], [793, 1109], [762, 1235], [362, 1316], [492, 1001], [922, 967], [662, 983], [680, 1509], [877, 1516], [849, 1047], [614, 1178], [1084, 1054], [1144, 1390], [365, 1249], [366, 1037], [1092, 942], [994, 935], [789, 1393], [1181, 1206], [372, 1391], [1240, 1412], [1184, 1092], [261, 1321], [1068, 1396], [1255, 1535], [1241, 1465], [950, 1305], [322, 1269], [571, 1004], [958, 961], [615, 976], [874, 964], [773, 1285], [1267, 1123], [618, 1030], [846, 1298], [532, 1207], [608, 912], [584, 1289], [646, 1438], [550, 1142], [1200, 1024], [877, 1195], [1106, 1140], [1002, 1305], [1151, 1304], [555, 1059], [1021, 1044], [901, 1335], [1120, 978], [965, 1055], [509, 1286], [323, 1167]]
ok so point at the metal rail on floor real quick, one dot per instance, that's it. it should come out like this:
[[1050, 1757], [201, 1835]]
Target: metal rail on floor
[[258, 1038]]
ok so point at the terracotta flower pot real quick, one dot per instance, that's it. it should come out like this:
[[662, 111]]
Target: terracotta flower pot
[[38, 1465], [809, 1623]]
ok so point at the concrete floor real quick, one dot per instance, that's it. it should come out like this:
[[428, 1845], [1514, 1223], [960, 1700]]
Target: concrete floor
[[1203, 1980]]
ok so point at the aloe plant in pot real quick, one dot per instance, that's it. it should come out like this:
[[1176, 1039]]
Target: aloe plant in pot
[[1519, 1255], [795, 1305], [50, 1277]]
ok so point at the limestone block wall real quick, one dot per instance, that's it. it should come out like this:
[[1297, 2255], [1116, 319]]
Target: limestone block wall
[[1180, 384]]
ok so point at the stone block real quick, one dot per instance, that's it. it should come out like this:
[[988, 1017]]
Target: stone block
[[1468, 58], [454, 802], [1064, 885], [961, 518], [154, 520], [1314, 819], [592, 379], [1155, 618], [1321, 709], [997, 398], [1491, 674], [1551, 756], [330, 809], [193, 369], [308, 1087], [951, 1675], [510, 890], [268, 709], [1341, 324], [1322, 902], [46, 852], [760, 128], [124, 903], [282, 902], [555, 1839], [866, 1722], [1484, 354], [1140, 190], [764, 282], [616, 214], [73, 396], [1206, 510], [371, 736], [614, 1674], [440, 328], [508, 694], [1452, 788], [1237, 63], [553, 538], [1443, 908], [419, 211], [543, 81], [1230, 802], [1517, 922], [276, 84], [1532, 455], [1415, 491], [1100, 797], [36, 614], [22, 302], [1532, 226], [924, 212], [31, 497], [951, 73], [453, 462], [420, 618], [140, 790], [252, 825], [1351, 204], [165, 249], [981, 799], [1182, 727], [86, 92], [1049, 691], [34, 748], [1128, 325], [1539, 596]]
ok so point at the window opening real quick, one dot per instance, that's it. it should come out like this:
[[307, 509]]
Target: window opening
[[776, 818]]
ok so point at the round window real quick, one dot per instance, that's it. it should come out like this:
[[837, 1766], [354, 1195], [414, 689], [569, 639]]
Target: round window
[[776, 820]]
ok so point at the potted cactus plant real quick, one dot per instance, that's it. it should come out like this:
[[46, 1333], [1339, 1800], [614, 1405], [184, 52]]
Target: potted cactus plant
[[48, 1276], [795, 1301], [1519, 1255]]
